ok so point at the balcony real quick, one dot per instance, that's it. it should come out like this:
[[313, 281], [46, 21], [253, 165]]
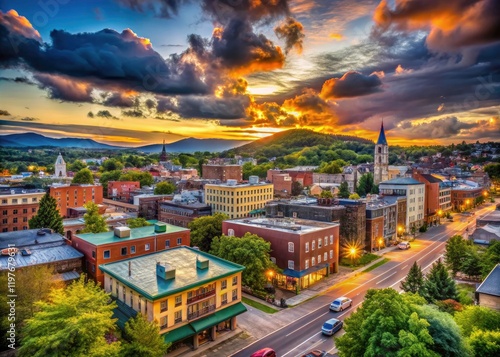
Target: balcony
[[201, 296], [201, 312]]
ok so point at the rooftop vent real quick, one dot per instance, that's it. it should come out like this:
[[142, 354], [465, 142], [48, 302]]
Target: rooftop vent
[[202, 263], [165, 271], [122, 232], [253, 180], [231, 182], [160, 227]]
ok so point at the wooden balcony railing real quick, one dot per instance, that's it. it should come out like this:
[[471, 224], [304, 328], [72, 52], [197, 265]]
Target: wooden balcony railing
[[201, 296], [201, 312]]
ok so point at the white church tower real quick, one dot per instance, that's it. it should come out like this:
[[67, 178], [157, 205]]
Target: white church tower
[[381, 167], [60, 167]]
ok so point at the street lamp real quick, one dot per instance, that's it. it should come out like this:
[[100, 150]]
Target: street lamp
[[467, 204], [380, 243], [352, 252], [400, 230], [440, 213]]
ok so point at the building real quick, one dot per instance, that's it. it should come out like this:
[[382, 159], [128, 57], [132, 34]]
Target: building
[[120, 190], [485, 234], [488, 293], [302, 174], [181, 213], [414, 191], [60, 167], [222, 172], [444, 198], [194, 296], [464, 195], [492, 218], [149, 204], [432, 205], [113, 219], [350, 175], [123, 243], [41, 247], [17, 206], [72, 196], [239, 200], [381, 158], [381, 222], [282, 184], [163, 154], [306, 250]]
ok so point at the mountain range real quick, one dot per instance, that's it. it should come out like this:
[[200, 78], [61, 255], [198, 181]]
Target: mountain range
[[188, 145]]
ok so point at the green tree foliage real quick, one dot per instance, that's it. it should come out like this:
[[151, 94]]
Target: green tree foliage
[[485, 343], [144, 339], [109, 176], [493, 171], [344, 190], [145, 178], [296, 188], [475, 317], [471, 264], [414, 280], [438, 284], [491, 257], [416, 340], [47, 216], [137, 222], [164, 188], [354, 196], [205, 229], [94, 222], [366, 185], [73, 322], [111, 165], [326, 194], [83, 176], [76, 166], [456, 252], [251, 251], [333, 167]]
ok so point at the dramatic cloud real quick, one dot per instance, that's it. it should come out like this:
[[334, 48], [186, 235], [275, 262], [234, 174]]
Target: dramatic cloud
[[451, 24], [351, 84], [119, 99], [64, 88], [293, 33], [4, 112], [161, 8], [436, 129]]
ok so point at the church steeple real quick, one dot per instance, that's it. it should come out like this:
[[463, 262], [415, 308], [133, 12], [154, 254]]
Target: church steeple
[[163, 155], [381, 137], [381, 167]]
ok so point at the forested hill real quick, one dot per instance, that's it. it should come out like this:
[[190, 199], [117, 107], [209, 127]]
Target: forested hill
[[297, 139]]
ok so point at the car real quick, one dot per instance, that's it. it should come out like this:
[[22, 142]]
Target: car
[[340, 304], [331, 326], [265, 352], [404, 245], [315, 353]]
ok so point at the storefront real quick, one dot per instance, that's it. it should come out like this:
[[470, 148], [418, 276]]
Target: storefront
[[296, 280]]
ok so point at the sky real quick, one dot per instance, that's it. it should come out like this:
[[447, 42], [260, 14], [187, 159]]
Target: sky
[[136, 72]]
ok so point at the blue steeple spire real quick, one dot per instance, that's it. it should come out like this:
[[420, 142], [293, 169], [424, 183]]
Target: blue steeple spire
[[381, 137]]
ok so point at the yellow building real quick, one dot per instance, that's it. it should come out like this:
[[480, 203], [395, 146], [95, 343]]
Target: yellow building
[[238, 201], [193, 296]]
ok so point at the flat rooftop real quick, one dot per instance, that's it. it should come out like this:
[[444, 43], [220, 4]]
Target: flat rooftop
[[144, 280], [29, 237], [135, 233], [240, 184], [285, 224]]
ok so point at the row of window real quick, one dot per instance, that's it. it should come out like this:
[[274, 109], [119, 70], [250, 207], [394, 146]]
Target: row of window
[[15, 229], [14, 220], [239, 193], [15, 200], [58, 193], [291, 263], [321, 242], [16, 211], [124, 250], [244, 209]]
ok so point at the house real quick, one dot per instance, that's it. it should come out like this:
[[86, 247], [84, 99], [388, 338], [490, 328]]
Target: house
[[195, 296], [488, 293]]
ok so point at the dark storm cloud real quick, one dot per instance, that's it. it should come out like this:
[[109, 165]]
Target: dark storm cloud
[[64, 88], [161, 8], [292, 32], [118, 99], [437, 129], [351, 84]]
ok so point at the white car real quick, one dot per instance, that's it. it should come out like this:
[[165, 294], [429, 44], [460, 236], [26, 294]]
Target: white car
[[340, 304], [404, 245]]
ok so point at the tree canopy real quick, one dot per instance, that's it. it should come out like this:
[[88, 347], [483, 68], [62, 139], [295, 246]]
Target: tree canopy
[[414, 280], [145, 178], [438, 284], [94, 222], [144, 339], [205, 229], [137, 222], [164, 188], [344, 190], [455, 254], [83, 176], [366, 185], [47, 216]]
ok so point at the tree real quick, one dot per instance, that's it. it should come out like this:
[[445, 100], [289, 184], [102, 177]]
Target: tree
[[438, 285], [326, 194], [94, 222], [73, 322], [144, 339], [485, 343], [296, 188], [471, 264], [111, 165], [205, 229], [354, 196], [137, 222], [493, 171], [476, 317], [417, 340], [491, 257], [366, 185], [414, 280], [164, 188], [77, 165], [145, 178], [109, 176], [251, 251], [47, 216], [344, 190], [83, 176], [456, 251]]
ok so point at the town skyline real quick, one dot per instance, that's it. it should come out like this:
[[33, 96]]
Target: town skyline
[[132, 73]]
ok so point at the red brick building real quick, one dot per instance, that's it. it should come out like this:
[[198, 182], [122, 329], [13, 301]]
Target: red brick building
[[222, 172], [182, 213], [17, 207], [282, 182], [120, 190], [124, 243], [71, 196], [431, 202]]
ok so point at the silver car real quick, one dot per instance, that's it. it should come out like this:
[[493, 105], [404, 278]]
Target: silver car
[[340, 304]]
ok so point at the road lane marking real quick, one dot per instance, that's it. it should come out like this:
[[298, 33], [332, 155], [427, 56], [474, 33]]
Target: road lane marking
[[300, 328], [302, 343], [385, 278], [403, 268]]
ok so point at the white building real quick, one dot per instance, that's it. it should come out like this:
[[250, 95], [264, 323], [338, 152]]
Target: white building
[[60, 167]]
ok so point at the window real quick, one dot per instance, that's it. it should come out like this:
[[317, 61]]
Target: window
[[178, 300], [235, 280], [325, 256], [147, 246], [163, 322], [290, 247], [326, 241], [93, 254], [313, 261], [14, 229], [116, 289], [124, 294], [139, 304], [223, 299], [178, 316], [4, 221], [14, 220], [4, 202], [14, 200], [34, 199], [235, 294], [4, 212], [167, 243], [33, 210], [132, 249], [25, 219], [331, 239], [291, 264], [306, 264], [179, 241], [331, 254], [313, 245], [107, 254], [25, 210], [294, 214], [320, 243], [223, 284], [131, 299], [5, 229], [319, 259], [15, 211], [124, 250], [25, 200], [25, 228], [307, 247], [164, 306], [230, 232]]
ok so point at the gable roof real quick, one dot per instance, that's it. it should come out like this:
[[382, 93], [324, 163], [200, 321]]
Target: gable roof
[[431, 179], [491, 285]]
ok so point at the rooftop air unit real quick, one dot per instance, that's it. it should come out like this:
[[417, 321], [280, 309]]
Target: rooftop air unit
[[253, 180], [122, 232]]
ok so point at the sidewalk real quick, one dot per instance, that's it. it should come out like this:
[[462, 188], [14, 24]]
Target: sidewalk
[[256, 324]]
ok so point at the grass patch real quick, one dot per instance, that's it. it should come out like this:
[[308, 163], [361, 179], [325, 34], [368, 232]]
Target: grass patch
[[258, 305], [359, 262], [376, 265]]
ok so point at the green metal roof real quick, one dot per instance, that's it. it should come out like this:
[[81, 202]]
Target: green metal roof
[[135, 233], [179, 333], [144, 280]]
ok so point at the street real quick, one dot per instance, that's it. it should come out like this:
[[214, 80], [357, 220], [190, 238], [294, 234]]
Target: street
[[304, 334]]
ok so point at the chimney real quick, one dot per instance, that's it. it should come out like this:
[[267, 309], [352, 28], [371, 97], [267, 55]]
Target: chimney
[[129, 268]]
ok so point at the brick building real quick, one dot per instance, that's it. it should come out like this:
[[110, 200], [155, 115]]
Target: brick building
[[71, 196], [222, 172], [180, 213], [17, 206], [120, 190], [124, 243], [432, 196]]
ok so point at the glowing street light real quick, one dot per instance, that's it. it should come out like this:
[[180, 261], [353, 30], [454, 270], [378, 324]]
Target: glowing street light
[[352, 253], [400, 230], [380, 243]]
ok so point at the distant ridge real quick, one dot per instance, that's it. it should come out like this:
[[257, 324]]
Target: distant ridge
[[191, 145]]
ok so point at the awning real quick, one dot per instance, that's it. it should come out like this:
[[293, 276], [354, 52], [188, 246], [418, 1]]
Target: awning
[[300, 274], [179, 333], [218, 317], [257, 211]]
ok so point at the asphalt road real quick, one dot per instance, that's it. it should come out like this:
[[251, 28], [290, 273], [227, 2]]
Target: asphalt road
[[304, 334]]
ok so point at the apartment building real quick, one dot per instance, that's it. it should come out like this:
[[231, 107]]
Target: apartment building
[[193, 295], [124, 242], [17, 206], [239, 200], [120, 190], [72, 196], [222, 172], [181, 213]]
